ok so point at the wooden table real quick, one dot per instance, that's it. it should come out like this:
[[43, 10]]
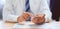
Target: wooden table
[[4, 25]]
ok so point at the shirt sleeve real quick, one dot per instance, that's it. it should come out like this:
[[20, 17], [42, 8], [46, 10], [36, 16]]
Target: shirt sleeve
[[44, 8], [7, 15]]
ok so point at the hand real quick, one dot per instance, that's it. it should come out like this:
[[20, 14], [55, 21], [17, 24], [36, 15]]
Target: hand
[[20, 19], [24, 17], [38, 19]]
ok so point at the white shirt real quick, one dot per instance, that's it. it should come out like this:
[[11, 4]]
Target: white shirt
[[14, 8]]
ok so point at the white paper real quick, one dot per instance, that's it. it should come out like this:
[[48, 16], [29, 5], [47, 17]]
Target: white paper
[[52, 25]]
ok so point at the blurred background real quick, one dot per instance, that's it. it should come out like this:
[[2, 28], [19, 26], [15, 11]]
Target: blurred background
[[54, 6], [1, 7]]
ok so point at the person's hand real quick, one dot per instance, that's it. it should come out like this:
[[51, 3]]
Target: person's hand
[[20, 19], [38, 19], [24, 17]]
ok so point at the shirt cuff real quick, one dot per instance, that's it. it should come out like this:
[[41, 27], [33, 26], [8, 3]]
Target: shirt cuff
[[12, 18]]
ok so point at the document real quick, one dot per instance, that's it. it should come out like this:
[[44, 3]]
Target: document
[[28, 25]]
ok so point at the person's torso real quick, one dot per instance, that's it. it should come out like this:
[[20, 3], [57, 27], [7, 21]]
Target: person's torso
[[19, 6]]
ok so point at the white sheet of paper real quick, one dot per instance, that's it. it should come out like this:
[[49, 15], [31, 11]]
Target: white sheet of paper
[[52, 25]]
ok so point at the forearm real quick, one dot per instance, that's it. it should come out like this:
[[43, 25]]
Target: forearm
[[48, 15], [10, 18], [8, 12], [44, 9]]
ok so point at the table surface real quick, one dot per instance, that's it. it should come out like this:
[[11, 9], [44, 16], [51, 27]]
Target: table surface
[[6, 25]]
